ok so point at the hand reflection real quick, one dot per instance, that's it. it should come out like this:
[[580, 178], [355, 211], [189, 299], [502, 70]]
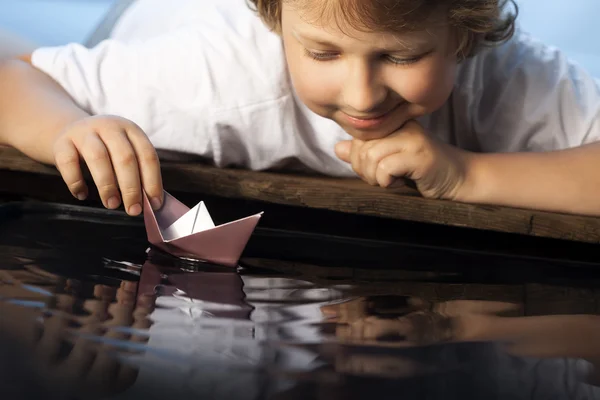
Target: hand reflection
[[91, 361], [407, 321], [75, 341]]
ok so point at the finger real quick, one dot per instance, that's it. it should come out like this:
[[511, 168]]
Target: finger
[[149, 165], [355, 156], [368, 164], [95, 154], [376, 152], [343, 149], [398, 165], [66, 159], [53, 333], [81, 357], [106, 367], [126, 167], [104, 292], [455, 308]]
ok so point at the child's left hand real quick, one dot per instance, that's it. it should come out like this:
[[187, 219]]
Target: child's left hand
[[438, 169]]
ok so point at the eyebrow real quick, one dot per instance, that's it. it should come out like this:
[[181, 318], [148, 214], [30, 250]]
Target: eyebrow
[[300, 37]]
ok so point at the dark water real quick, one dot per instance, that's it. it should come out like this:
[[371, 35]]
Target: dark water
[[87, 311]]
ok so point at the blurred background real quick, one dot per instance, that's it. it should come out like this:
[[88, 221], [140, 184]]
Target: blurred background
[[571, 25]]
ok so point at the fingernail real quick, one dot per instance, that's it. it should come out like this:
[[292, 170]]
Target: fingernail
[[113, 202], [81, 196], [135, 209], [155, 203]]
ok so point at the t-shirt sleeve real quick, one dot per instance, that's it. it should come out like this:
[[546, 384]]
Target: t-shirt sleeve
[[173, 85], [144, 82], [527, 96]]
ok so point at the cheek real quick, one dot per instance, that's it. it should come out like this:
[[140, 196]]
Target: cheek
[[429, 83]]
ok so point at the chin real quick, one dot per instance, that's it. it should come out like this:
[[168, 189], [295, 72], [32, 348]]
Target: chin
[[366, 135], [371, 134]]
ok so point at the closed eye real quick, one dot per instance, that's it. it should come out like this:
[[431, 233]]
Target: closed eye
[[405, 60], [321, 55]]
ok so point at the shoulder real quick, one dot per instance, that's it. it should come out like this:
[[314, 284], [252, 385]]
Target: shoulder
[[234, 54], [215, 54], [516, 59], [527, 95]]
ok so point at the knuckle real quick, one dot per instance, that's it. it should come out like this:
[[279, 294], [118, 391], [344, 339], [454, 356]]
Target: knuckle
[[418, 145], [129, 124], [106, 127], [384, 166], [131, 193], [108, 121], [76, 185], [153, 189], [414, 135], [126, 159], [371, 153], [149, 156], [107, 188], [96, 155], [66, 160]]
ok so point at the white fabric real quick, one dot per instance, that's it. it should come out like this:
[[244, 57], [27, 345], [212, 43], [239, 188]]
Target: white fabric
[[208, 78]]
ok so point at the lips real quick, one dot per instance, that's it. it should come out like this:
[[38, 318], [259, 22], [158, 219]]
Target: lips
[[367, 122]]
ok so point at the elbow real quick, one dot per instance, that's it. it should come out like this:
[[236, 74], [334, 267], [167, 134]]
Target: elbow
[[12, 68], [16, 63], [26, 58]]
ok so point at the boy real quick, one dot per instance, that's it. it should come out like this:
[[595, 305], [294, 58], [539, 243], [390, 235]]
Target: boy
[[448, 95]]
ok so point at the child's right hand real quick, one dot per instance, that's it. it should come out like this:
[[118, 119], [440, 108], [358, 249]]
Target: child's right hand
[[119, 156]]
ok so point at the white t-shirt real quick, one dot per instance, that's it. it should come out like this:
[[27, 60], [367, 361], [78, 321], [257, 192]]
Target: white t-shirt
[[208, 78]]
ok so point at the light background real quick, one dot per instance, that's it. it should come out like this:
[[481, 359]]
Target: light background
[[572, 25]]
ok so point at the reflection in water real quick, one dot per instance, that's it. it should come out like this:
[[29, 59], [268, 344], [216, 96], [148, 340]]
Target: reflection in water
[[73, 328], [167, 329]]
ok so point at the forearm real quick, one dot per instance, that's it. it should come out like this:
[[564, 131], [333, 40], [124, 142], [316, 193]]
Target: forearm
[[560, 181], [34, 109]]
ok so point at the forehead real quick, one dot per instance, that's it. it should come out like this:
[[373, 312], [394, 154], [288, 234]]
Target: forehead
[[327, 21], [389, 16]]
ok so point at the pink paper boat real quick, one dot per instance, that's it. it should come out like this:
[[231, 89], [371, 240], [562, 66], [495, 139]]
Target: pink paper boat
[[191, 233]]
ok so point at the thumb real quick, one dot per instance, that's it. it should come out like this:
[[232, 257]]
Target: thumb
[[342, 150]]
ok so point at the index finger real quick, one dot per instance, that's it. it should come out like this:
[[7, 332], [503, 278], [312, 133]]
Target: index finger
[[149, 165]]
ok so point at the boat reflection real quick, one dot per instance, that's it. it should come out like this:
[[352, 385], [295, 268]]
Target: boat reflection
[[166, 328]]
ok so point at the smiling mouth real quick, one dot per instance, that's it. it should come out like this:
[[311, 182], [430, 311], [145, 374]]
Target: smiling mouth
[[368, 121], [370, 118], [375, 115]]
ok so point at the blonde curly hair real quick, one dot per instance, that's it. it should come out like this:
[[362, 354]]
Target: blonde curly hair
[[476, 22]]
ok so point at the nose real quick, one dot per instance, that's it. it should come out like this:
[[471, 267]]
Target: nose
[[363, 92]]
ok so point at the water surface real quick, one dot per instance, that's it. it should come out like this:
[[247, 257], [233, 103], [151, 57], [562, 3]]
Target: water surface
[[87, 309]]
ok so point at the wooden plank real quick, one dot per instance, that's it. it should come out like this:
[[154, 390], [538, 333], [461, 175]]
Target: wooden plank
[[349, 196]]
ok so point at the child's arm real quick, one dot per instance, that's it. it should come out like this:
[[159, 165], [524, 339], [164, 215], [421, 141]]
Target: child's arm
[[39, 118], [34, 110], [561, 181]]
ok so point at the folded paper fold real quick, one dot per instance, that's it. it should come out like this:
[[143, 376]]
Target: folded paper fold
[[191, 233]]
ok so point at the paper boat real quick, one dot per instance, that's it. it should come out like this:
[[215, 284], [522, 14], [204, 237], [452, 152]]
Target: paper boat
[[191, 233]]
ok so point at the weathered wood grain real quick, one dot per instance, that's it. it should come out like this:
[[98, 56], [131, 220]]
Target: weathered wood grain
[[350, 196]]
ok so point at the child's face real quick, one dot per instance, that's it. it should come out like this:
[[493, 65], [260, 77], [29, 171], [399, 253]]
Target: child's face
[[369, 83]]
